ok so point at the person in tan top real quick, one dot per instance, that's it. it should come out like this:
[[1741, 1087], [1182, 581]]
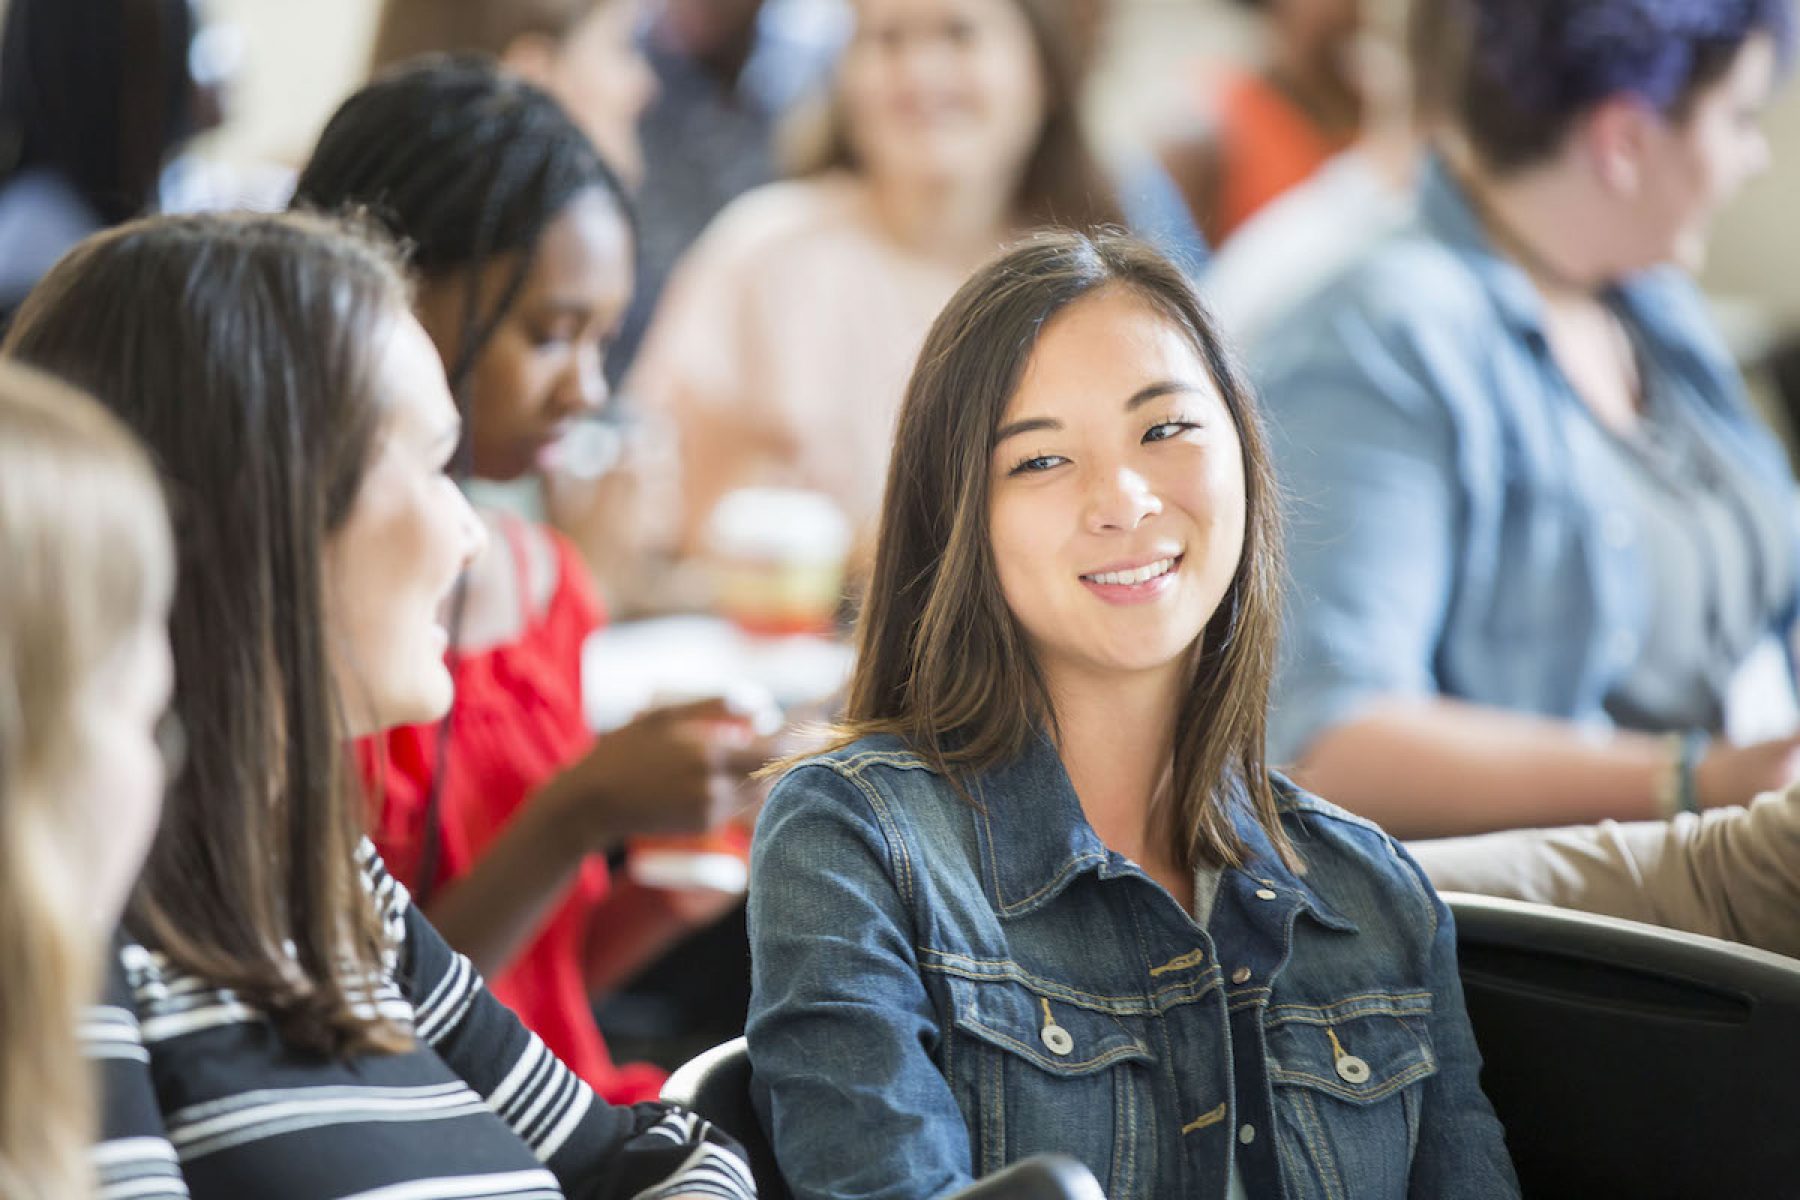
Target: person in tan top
[[1730, 873], [784, 342]]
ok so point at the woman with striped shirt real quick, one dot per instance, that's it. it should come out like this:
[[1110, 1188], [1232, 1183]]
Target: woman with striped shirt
[[280, 1021]]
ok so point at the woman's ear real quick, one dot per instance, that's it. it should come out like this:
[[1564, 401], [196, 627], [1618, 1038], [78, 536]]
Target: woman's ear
[[1616, 137], [531, 56]]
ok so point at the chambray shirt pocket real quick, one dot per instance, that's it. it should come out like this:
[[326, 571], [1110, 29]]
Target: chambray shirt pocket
[[1075, 1079], [1347, 1090]]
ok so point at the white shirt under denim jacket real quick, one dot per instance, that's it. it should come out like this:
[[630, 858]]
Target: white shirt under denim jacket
[[943, 988]]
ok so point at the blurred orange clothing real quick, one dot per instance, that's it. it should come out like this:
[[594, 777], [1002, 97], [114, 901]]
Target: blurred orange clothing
[[1266, 144]]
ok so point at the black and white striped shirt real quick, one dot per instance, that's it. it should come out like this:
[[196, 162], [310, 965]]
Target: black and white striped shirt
[[202, 1098]]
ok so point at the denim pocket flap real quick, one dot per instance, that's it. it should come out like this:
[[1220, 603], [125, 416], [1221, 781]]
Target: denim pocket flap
[[1041, 1026], [1361, 1050]]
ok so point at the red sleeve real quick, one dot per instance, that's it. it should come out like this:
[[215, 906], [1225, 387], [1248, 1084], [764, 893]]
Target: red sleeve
[[396, 769]]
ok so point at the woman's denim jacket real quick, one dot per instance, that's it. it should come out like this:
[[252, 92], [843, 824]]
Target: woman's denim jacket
[[943, 987]]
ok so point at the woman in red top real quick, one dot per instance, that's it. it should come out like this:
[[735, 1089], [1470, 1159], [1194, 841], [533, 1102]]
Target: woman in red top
[[498, 818], [1263, 131]]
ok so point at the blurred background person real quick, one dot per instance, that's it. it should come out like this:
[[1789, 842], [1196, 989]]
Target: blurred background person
[[1300, 240], [1256, 132], [727, 73], [84, 682], [1544, 554], [785, 339], [96, 96], [583, 52], [499, 817]]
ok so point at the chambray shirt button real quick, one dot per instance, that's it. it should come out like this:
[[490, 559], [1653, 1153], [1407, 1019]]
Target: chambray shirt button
[[1057, 1040], [1264, 894], [1246, 1134], [1352, 1069], [1241, 975]]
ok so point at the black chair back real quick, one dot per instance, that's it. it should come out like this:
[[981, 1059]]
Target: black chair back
[[717, 1086], [1628, 1060]]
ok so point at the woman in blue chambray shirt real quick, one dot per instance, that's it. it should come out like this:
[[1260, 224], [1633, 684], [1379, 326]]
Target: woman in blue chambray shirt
[[1045, 895], [1544, 555]]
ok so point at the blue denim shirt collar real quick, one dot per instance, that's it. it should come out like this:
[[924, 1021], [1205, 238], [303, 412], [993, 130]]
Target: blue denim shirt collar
[[1446, 211], [1037, 840]]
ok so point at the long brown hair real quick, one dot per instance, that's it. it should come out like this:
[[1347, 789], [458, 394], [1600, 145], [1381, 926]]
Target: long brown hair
[[941, 660], [86, 545], [241, 350], [1063, 183]]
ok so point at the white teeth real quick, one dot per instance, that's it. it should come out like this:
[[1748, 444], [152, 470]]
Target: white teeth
[[1161, 566]]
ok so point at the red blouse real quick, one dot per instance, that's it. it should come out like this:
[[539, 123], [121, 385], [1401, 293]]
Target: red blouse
[[518, 720]]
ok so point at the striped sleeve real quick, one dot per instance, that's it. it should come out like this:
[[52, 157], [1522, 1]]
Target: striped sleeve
[[595, 1150], [134, 1160]]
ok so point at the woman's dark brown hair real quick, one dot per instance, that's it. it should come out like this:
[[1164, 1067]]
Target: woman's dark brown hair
[[240, 349], [1063, 183], [941, 660]]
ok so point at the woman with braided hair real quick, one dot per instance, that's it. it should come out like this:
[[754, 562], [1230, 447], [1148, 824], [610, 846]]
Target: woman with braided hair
[[500, 816]]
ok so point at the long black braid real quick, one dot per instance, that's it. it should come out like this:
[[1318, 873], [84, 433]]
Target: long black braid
[[466, 165]]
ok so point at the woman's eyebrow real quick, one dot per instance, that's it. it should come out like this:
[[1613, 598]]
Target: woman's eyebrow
[[1028, 425], [1168, 387]]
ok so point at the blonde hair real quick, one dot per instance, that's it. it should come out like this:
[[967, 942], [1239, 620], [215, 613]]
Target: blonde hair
[[88, 560]]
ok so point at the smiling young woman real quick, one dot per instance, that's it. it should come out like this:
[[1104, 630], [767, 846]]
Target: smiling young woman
[[1044, 894]]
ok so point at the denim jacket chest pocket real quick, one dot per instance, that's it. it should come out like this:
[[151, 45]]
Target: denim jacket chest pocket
[[1034, 1071], [1346, 1080]]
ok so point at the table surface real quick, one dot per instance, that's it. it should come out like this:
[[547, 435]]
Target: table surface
[[635, 665]]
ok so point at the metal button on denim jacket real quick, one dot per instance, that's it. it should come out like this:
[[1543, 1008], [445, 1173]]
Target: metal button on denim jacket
[[943, 987]]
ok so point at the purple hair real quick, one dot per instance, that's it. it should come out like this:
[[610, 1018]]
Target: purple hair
[[1534, 66]]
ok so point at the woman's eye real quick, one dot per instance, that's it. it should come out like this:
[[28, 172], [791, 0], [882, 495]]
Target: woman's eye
[[1039, 462], [1167, 430]]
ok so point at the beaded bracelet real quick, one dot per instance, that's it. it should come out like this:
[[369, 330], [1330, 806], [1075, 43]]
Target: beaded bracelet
[[1676, 788]]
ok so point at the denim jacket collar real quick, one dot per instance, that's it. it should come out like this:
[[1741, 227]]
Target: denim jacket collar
[[1036, 840]]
